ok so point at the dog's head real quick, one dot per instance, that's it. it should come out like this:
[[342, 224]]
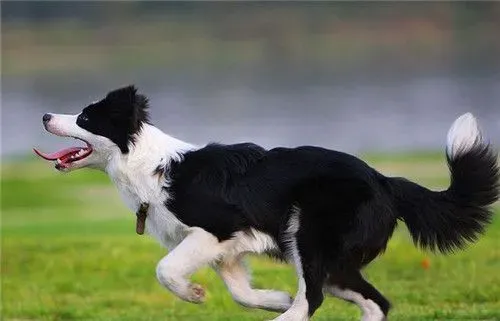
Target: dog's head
[[108, 127]]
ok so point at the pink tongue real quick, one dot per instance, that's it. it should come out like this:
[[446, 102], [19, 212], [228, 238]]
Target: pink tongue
[[56, 155]]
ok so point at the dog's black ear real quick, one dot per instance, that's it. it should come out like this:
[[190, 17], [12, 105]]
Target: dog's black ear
[[126, 105], [128, 112]]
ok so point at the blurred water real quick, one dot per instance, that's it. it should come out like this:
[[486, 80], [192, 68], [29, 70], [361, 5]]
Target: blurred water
[[353, 116], [354, 76]]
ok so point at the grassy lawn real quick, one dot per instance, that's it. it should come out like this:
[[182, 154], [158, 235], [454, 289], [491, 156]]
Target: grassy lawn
[[69, 252]]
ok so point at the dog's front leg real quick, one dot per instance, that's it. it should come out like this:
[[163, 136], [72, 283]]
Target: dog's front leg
[[197, 249]]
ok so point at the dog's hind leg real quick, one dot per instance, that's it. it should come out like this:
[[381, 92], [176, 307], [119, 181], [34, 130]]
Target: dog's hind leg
[[237, 279], [352, 287], [309, 268], [199, 248]]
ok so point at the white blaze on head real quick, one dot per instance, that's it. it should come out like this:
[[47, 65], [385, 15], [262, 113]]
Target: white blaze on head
[[102, 147]]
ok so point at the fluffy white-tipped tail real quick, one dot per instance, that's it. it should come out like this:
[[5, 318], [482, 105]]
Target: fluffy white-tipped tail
[[450, 219], [463, 135]]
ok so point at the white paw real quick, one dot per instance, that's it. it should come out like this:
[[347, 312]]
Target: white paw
[[292, 315], [275, 300], [196, 293], [374, 317]]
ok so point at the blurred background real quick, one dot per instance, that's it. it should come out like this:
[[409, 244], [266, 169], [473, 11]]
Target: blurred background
[[380, 79], [356, 76]]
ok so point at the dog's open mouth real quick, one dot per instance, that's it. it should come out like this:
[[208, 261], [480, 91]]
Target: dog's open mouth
[[67, 156]]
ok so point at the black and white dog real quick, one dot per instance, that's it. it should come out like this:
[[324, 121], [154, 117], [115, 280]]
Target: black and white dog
[[326, 212]]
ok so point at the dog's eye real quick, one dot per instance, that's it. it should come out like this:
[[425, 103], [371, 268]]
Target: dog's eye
[[83, 117]]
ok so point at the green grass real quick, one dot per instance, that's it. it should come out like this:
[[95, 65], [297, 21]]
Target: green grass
[[69, 252]]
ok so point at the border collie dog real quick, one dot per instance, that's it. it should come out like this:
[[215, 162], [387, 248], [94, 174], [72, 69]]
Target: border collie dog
[[326, 212]]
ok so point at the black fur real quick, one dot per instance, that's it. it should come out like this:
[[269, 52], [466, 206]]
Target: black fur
[[208, 176], [448, 220], [119, 116], [348, 211]]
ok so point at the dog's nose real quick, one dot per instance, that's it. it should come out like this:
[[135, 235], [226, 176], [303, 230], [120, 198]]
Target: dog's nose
[[46, 118]]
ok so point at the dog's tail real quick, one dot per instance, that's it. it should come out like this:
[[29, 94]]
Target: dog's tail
[[448, 220]]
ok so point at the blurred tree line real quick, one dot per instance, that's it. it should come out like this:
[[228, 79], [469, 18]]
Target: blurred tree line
[[336, 36]]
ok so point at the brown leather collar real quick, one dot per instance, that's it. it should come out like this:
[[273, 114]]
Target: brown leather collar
[[141, 214]]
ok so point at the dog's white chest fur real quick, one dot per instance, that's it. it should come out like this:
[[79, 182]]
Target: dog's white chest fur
[[134, 176]]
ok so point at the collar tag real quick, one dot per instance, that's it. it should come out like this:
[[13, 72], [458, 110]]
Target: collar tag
[[141, 215]]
